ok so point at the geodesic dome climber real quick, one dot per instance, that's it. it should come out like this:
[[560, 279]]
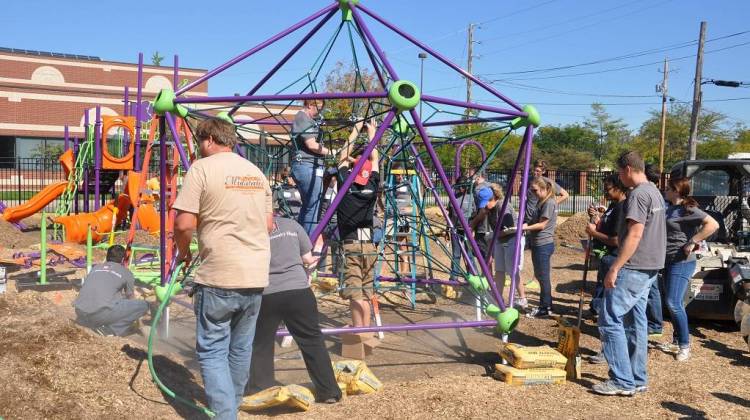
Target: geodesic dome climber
[[409, 160]]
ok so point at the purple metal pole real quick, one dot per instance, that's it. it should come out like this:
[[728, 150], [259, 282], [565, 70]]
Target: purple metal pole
[[176, 72], [506, 200], [368, 35], [87, 165], [467, 121], [259, 47], [97, 154], [352, 174], [66, 138], [457, 161], [471, 105], [126, 102], [75, 158], [435, 54], [457, 209], [286, 57], [177, 143], [138, 111], [289, 97], [163, 200], [528, 137], [372, 58], [402, 327]]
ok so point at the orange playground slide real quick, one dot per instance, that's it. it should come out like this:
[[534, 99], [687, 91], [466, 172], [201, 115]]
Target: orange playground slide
[[35, 203]]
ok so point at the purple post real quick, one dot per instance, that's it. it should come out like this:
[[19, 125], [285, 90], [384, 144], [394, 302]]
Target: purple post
[[372, 59], [402, 327], [66, 138], [457, 208], [435, 54], [176, 72], [138, 111], [177, 143], [97, 154], [457, 161], [75, 158], [289, 97], [467, 121], [471, 105], [87, 171], [528, 138], [368, 35], [506, 200], [286, 58], [257, 48], [163, 200], [352, 174], [126, 102]]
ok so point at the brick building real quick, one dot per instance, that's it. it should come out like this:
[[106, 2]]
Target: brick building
[[42, 92]]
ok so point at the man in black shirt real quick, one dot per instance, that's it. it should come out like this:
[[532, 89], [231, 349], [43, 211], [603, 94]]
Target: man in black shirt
[[355, 215]]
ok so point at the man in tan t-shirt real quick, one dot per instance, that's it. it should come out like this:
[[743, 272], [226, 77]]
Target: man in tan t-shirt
[[229, 201]]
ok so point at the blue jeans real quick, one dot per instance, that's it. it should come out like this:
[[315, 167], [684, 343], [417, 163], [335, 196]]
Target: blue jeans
[[622, 327], [676, 280], [654, 313], [309, 179], [224, 333], [541, 257], [596, 299], [456, 256]]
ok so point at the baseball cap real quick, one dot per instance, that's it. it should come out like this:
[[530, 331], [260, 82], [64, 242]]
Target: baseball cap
[[364, 174], [485, 195]]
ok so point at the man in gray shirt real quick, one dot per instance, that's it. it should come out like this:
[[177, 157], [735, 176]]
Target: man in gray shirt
[[100, 304], [643, 244], [288, 298]]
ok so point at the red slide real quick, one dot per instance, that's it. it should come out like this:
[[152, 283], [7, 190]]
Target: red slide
[[35, 203]]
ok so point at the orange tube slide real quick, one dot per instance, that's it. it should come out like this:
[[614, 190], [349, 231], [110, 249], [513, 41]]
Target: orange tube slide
[[35, 203]]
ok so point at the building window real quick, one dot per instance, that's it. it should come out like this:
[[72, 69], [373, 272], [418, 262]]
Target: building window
[[39, 148]]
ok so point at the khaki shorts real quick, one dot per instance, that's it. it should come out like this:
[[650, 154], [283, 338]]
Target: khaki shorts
[[359, 270]]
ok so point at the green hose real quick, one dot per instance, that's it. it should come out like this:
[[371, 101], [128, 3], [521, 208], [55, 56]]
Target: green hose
[[172, 282]]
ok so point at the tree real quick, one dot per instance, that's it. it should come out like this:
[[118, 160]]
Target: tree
[[156, 59], [342, 79], [572, 144], [612, 134]]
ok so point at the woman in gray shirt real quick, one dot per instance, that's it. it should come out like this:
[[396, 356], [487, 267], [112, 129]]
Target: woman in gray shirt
[[542, 239], [687, 226]]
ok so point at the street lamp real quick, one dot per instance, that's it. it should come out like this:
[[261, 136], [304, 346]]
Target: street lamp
[[422, 55]]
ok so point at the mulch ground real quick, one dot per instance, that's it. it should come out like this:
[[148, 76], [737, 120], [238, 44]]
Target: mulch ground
[[52, 368]]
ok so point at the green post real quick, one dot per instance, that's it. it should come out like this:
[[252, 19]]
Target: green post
[[43, 262], [89, 250]]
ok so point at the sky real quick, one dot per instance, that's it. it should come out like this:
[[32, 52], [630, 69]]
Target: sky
[[610, 51]]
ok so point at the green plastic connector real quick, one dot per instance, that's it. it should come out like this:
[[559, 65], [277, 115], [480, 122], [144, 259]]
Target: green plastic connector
[[507, 320], [161, 291], [224, 115], [492, 310], [164, 102], [181, 111], [346, 8], [478, 283], [404, 95], [532, 118], [400, 125]]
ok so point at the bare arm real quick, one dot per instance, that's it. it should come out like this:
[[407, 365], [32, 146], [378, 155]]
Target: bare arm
[[601, 236], [479, 218], [561, 196], [540, 225], [184, 225], [708, 226], [627, 249], [269, 222], [312, 144], [308, 259], [346, 151]]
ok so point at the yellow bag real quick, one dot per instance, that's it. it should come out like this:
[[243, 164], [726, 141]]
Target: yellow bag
[[357, 377], [295, 396], [532, 357], [517, 377]]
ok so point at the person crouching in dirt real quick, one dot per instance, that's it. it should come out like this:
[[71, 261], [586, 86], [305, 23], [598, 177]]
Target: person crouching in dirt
[[100, 304], [288, 298]]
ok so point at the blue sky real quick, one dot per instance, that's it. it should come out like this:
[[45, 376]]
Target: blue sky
[[514, 36]]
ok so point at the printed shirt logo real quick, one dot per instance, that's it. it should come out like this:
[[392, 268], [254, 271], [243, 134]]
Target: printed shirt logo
[[244, 184]]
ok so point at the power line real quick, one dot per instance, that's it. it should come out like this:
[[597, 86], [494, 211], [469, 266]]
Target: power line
[[651, 6], [685, 57], [562, 92], [745, 98]]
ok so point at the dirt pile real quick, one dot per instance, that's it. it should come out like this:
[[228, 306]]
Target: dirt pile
[[52, 368], [11, 237], [572, 230]]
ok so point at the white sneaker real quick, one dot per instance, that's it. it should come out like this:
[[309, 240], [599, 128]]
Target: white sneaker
[[521, 303], [682, 354], [668, 347]]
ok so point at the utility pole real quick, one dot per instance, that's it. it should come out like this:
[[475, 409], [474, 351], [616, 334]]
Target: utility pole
[[469, 61], [664, 89], [692, 142]]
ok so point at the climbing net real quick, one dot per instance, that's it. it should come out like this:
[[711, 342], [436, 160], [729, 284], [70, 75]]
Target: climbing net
[[416, 249]]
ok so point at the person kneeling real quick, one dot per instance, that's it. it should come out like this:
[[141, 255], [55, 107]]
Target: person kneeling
[[100, 304], [288, 298]]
